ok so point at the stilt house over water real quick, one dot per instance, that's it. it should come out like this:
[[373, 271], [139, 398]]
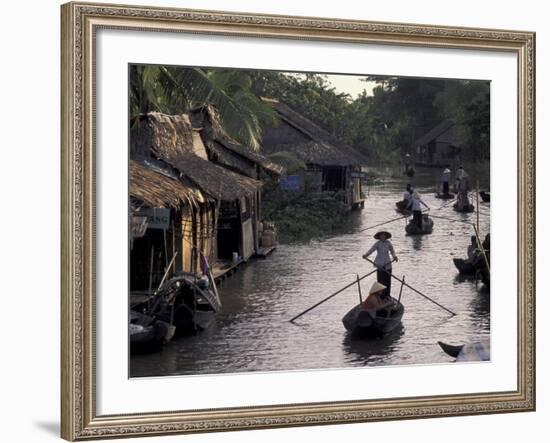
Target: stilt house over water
[[332, 165], [440, 146], [226, 222]]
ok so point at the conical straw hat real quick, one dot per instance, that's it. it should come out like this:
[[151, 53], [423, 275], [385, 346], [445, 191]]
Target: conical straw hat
[[376, 287]]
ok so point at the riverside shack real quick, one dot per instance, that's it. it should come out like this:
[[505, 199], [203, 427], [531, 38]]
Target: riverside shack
[[223, 231], [332, 165], [440, 146], [166, 216]]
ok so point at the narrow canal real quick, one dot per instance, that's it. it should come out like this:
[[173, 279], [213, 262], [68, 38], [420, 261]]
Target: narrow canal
[[253, 332]]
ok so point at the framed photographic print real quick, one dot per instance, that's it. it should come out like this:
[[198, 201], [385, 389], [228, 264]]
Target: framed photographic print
[[282, 221]]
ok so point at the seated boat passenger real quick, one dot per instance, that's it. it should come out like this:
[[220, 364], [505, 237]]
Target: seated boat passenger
[[377, 298]]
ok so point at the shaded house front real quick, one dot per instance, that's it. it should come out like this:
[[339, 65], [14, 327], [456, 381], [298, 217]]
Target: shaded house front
[[167, 217], [173, 140], [439, 147], [332, 165]]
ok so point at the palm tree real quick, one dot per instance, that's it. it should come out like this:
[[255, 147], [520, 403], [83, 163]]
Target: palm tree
[[175, 90]]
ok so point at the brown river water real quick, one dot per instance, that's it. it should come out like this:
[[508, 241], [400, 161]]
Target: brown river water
[[253, 332]]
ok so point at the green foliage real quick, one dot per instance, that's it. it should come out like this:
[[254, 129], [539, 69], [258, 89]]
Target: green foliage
[[303, 216], [175, 90]]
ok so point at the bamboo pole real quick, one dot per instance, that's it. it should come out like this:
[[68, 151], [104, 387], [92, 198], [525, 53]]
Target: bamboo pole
[[477, 204], [481, 248], [359, 289], [331, 295], [413, 289]]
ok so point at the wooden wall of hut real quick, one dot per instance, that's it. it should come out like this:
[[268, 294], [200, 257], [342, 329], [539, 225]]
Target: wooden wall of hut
[[198, 227]]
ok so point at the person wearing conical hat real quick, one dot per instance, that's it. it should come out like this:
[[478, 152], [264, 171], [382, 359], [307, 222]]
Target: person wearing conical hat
[[415, 203], [383, 261], [375, 299]]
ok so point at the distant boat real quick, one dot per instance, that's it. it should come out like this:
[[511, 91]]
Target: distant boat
[[447, 196], [464, 266], [466, 208], [373, 322], [409, 172], [401, 206], [427, 226], [475, 351], [485, 196]]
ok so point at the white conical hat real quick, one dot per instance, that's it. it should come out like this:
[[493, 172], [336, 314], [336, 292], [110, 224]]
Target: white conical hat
[[416, 194], [376, 287]]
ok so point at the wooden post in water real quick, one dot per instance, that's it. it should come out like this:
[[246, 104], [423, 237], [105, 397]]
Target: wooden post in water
[[359, 289], [477, 205]]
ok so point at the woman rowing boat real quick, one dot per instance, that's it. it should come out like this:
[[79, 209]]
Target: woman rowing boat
[[383, 261]]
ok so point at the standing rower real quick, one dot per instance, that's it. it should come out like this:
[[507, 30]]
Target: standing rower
[[415, 203], [383, 261], [445, 178]]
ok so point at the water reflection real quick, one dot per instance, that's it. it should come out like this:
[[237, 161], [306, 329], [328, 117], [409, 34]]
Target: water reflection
[[253, 332]]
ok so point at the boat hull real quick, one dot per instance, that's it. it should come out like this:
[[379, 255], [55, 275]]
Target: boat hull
[[373, 323], [464, 266], [447, 196], [466, 209], [427, 227]]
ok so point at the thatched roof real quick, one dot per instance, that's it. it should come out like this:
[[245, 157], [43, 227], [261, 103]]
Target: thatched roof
[[165, 136], [158, 190], [215, 180], [217, 140], [170, 139], [434, 133], [323, 148]]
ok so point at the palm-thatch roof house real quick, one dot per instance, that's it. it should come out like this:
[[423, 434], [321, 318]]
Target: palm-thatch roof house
[[208, 159], [440, 146], [332, 165], [163, 221]]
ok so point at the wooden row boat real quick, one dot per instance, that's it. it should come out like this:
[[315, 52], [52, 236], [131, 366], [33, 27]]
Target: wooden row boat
[[373, 322], [485, 196], [427, 226], [183, 301], [466, 208], [148, 334], [464, 266], [446, 196], [401, 207], [475, 351]]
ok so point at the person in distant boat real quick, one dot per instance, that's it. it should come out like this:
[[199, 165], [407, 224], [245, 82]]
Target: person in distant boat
[[407, 195], [445, 178], [376, 299], [415, 203], [383, 261], [472, 249]]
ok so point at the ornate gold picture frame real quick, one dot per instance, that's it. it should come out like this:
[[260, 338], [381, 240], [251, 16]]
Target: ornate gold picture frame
[[80, 23]]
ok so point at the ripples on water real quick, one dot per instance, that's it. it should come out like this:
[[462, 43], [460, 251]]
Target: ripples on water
[[253, 332]]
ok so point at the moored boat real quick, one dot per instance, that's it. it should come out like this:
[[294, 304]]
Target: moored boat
[[148, 334], [427, 226], [464, 208], [374, 322], [485, 196], [464, 266], [474, 351]]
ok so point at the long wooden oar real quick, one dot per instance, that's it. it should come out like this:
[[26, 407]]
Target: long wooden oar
[[392, 220], [384, 223], [413, 289], [331, 295]]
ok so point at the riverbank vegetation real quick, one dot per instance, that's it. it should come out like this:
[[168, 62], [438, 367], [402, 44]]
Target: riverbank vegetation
[[300, 215]]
